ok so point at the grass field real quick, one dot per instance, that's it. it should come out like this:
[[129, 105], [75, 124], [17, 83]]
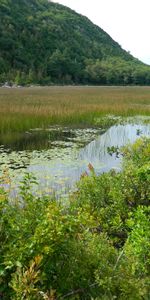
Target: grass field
[[25, 108]]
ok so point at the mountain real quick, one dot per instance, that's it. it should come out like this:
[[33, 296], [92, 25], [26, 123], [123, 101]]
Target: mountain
[[48, 43]]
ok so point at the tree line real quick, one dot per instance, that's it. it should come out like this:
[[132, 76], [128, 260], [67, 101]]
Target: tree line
[[46, 43]]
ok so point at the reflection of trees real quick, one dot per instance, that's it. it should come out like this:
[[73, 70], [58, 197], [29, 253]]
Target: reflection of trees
[[115, 136]]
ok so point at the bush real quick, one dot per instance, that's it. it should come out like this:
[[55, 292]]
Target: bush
[[97, 247]]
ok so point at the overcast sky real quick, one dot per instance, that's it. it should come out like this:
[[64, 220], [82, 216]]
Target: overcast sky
[[126, 21]]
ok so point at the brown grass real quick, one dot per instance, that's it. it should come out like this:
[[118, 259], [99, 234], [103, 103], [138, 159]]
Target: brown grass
[[25, 108]]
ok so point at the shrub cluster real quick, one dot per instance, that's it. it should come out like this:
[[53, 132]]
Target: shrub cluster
[[97, 247]]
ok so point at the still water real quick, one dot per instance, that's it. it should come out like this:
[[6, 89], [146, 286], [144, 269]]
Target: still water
[[58, 157]]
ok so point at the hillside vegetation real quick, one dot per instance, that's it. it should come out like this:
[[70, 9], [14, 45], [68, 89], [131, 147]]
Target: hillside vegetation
[[47, 43]]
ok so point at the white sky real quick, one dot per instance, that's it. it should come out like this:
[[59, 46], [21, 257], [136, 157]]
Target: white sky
[[126, 21]]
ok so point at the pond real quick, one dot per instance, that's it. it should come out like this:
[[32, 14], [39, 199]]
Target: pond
[[59, 156]]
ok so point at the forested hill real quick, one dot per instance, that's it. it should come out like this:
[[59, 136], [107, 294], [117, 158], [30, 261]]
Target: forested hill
[[47, 43]]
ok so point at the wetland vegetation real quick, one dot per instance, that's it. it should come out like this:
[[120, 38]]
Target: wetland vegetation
[[25, 108], [43, 129], [92, 243]]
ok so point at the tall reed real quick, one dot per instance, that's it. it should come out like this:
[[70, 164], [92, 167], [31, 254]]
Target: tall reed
[[25, 108]]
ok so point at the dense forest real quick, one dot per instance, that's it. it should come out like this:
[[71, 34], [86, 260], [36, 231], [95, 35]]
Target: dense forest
[[47, 43]]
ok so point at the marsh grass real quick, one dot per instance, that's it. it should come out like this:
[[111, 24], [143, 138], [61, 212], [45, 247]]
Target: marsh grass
[[26, 108]]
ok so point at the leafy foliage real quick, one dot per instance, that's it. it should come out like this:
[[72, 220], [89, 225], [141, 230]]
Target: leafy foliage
[[44, 42], [95, 247]]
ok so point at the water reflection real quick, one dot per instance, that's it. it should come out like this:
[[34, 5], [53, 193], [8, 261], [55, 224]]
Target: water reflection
[[37, 139], [67, 170], [97, 151], [65, 155]]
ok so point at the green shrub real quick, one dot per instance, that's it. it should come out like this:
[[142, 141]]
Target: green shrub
[[97, 247]]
